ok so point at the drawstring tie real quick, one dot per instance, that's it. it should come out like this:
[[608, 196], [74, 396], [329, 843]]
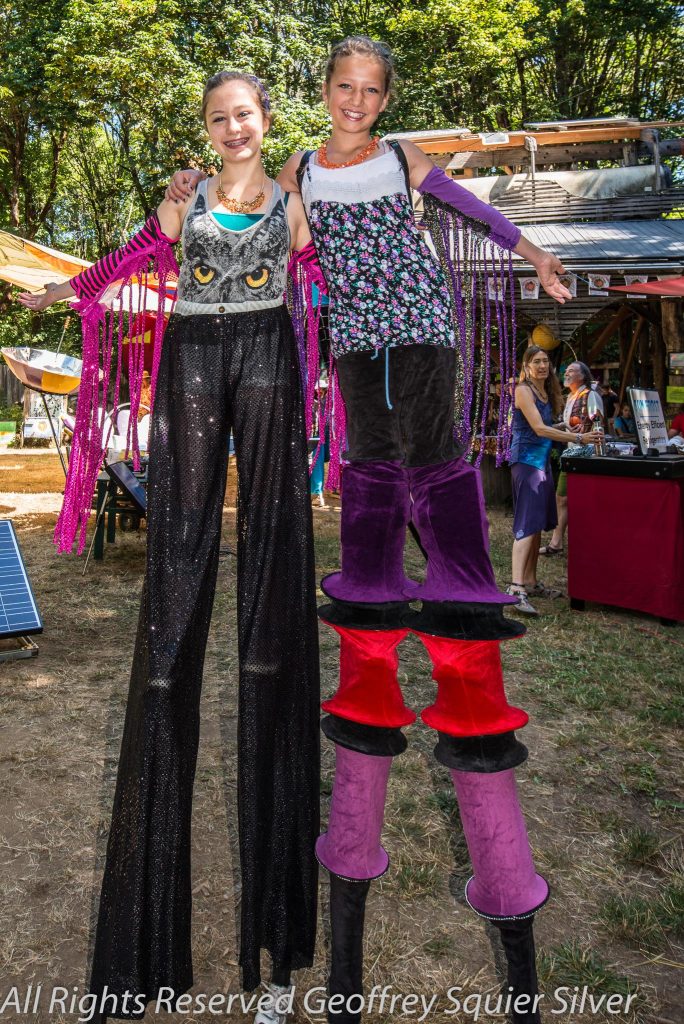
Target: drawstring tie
[[387, 394]]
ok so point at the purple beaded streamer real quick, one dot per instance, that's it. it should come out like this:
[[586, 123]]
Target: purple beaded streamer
[[469, 258]]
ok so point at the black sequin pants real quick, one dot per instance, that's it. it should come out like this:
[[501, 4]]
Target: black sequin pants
[[234, 371]]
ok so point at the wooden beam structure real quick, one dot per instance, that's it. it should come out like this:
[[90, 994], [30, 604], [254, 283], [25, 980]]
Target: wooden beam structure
[[623, 313], [558, 154], [460, 142]]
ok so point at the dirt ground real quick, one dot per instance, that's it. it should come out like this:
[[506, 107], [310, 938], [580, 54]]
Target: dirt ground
[[601, 791]]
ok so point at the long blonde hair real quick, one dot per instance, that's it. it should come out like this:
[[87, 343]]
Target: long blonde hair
[[553, 388]]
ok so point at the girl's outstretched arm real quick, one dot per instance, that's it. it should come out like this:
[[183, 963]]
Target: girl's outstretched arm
[[426, 177], [164, 225]]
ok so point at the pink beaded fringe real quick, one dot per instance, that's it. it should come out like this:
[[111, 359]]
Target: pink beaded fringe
[[103, 333]]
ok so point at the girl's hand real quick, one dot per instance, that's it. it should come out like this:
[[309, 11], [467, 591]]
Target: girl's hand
[[53, 293], [183, 184], [548, 268]]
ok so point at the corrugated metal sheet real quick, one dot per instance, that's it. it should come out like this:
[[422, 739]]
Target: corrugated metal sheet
[[633, 242]]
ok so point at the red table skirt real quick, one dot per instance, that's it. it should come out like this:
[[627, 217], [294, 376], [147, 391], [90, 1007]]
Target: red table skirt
[[626, 543]]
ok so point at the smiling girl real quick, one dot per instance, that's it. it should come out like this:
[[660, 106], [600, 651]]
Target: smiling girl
[[228, 362]]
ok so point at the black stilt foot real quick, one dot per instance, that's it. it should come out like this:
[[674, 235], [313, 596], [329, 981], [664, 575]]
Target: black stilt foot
[[347, 912], [517, 939]]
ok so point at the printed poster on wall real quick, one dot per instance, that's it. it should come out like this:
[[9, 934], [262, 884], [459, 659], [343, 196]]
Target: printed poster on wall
[[529, 287]]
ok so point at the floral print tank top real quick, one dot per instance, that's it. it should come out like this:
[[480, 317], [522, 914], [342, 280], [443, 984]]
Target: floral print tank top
[[386, 286]]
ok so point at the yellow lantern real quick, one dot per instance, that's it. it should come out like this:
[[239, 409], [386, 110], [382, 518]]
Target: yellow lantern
[[543, 336]]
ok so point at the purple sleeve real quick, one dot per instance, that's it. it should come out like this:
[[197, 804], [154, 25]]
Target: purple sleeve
[[502, 231], [91, 281]]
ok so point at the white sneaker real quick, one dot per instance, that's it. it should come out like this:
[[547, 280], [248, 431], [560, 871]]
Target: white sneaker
[[523, 604], [276, 1004]]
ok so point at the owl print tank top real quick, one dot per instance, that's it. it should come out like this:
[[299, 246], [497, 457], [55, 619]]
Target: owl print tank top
[[229, 271]]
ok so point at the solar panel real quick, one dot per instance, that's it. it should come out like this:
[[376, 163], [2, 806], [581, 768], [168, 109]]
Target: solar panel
[[18, 613]]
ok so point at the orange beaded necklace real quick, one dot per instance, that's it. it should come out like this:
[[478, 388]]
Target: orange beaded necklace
[[322, 155]]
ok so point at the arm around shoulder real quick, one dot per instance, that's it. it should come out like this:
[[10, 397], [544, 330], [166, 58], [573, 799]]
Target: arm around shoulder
[[287, 177], [300, 234]]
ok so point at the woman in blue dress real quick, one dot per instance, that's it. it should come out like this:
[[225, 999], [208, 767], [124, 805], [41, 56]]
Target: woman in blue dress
[[538, 403]]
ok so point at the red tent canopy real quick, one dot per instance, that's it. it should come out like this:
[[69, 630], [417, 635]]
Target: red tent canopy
[[668, 286]]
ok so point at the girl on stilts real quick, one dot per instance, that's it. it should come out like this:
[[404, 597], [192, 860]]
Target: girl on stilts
[[229, 361], [396, 317]]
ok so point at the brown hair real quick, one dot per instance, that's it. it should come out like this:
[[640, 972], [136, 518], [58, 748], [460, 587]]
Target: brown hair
[[553, 388], [364, 46], [237, 76]]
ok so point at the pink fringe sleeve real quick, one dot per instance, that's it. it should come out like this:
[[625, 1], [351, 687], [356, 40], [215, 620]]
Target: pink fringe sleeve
[[103, 333]]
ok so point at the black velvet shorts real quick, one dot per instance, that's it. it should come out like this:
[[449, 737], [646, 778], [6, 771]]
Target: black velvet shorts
[[416, 426]]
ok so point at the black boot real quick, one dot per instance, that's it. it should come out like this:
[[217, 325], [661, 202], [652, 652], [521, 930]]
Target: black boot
[[517, 939], [347, 911]]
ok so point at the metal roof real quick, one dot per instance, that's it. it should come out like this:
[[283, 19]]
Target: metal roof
[[649, 244]]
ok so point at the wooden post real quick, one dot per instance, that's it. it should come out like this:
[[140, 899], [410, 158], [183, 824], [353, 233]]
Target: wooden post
[[659, 357], [672, 315], [627, 371], [644, 357]]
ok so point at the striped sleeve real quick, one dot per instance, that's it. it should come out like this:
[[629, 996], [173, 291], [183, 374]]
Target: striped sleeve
[[93, 280]]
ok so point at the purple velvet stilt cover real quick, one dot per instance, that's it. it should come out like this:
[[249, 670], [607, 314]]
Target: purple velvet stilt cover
[[375, 515], [449, 513]]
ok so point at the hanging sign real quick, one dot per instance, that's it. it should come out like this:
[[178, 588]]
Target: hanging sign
[[674, 394], [636, 279], [569, 281], [598, 283], [529, 287], [496, 289], [649, 419]]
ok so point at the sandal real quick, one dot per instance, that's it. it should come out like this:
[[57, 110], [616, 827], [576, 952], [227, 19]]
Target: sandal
[[549, 551], [541, 590], [522, 605]]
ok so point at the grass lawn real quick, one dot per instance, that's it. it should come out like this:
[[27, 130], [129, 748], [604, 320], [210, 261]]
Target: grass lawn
[[601, 790]]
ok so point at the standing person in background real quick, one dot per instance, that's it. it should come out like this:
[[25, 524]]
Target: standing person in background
[[677, 426], [610, 402], [579, 382], [538, 403]]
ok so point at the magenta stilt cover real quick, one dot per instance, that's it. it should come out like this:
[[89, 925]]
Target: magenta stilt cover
[[351, 846], [504, 882]]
